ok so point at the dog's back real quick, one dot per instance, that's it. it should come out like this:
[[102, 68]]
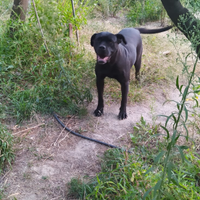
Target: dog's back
[[134, 43], [132, 36]]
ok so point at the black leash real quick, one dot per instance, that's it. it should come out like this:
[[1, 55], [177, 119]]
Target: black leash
[[84, 137]]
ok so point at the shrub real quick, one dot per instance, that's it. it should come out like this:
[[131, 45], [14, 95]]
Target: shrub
[[112, 7], [143, 11]]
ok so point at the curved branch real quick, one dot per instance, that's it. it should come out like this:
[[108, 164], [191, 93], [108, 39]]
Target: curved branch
[[189, 26]]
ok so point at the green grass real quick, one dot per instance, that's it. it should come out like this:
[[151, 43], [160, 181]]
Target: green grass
[[6, 148], [32, 81]]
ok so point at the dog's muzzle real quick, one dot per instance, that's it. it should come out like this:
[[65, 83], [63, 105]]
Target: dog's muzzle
[[102, 61]]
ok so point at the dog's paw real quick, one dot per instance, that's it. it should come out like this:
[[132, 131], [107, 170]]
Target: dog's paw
[[98, 112], [122, 115]]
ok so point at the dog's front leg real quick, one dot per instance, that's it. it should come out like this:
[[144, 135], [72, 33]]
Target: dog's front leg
[[124, 89], [100, 86]]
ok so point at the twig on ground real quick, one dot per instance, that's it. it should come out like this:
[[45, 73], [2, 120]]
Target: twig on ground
[[56, 142], [13, 195], [4, 176], [28, 129], [56, 198]]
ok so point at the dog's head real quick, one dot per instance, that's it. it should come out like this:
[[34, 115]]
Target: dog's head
[[105, 45]]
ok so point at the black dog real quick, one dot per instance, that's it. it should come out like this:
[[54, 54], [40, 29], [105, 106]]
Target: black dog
[[116, 54]]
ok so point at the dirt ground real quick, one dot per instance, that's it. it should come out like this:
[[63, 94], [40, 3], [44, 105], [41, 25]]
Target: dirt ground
[[47, 157]]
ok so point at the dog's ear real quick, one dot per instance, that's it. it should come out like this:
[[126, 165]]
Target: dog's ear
[[92, 39], [121, 38]]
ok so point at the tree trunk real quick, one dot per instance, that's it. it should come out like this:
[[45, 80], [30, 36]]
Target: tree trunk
[[19, 10], [185, 21]]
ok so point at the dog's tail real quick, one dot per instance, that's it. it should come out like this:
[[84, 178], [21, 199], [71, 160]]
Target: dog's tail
[[152, 31]]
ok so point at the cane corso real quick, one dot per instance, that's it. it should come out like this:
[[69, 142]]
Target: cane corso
[[116, 54]]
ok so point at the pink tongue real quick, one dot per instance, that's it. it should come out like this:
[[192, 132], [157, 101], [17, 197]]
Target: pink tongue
[[102, 59]]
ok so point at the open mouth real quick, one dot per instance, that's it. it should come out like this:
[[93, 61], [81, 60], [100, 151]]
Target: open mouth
[[103, 60]]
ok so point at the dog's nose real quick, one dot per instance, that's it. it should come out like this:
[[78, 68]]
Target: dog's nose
[[102, 47]]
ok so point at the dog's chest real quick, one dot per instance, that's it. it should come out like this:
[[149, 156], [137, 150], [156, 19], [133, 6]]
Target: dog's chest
[[115, 71]]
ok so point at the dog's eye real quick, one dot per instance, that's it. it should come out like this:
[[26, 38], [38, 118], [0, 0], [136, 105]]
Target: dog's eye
[[111, 43]]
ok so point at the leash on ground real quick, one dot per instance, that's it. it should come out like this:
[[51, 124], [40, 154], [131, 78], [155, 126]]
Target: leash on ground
[[85, 137]]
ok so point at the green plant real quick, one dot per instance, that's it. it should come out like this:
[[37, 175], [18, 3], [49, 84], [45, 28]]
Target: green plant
[[143, 130], [56, 15], [146, 137], [45, 177], [4, 7], [2, 193], [111, 7], [77, 189], [82, 10], [31, 81], [6, 148], [192, 5], [143, 11]]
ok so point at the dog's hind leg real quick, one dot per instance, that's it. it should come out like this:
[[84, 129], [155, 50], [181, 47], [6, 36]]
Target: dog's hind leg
[[138, 62], [137, 67]]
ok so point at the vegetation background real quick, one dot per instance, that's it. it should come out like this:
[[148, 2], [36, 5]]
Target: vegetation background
[[36, 80]]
